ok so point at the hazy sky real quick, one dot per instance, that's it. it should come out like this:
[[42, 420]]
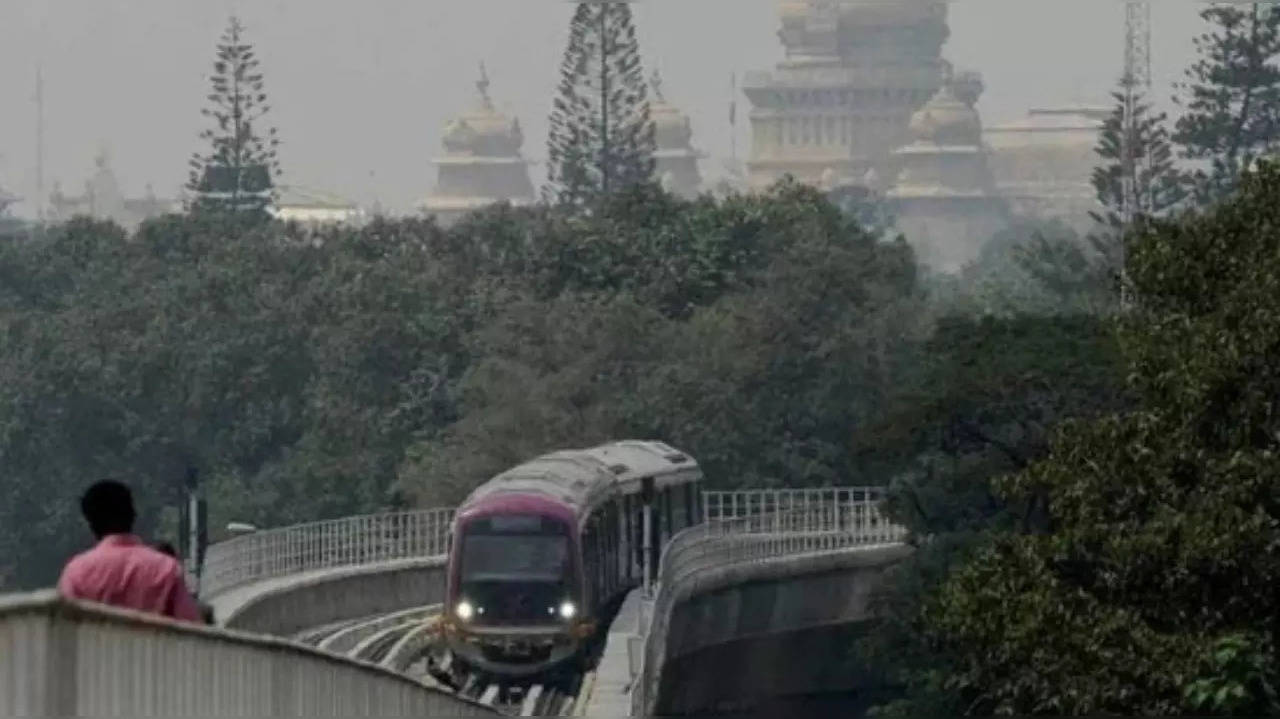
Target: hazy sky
[[362, 89]]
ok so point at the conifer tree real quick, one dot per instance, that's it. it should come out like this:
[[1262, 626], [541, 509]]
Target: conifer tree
[[1156, 188], [602, 137], [1133, 144], [1232, 96], [237, 173]]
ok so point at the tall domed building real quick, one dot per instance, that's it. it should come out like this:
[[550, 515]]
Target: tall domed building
[[854, 73], [676, 165], [945, 197], [482, 163]]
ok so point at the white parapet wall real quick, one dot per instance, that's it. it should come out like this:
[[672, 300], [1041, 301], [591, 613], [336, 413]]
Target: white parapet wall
[[60, 658]]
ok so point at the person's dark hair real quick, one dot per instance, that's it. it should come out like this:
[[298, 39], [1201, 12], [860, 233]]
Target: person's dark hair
[[108, 508], [167, 548]]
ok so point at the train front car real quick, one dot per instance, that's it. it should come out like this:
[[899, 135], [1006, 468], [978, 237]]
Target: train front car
[[540, 551], [515, 598]]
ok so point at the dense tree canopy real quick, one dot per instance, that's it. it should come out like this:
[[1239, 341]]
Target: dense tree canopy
[[283, 369], [309, 374], [754, 332], [1160, 563]]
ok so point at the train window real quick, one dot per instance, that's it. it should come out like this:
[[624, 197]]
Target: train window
[[533, 557], [514, 547]]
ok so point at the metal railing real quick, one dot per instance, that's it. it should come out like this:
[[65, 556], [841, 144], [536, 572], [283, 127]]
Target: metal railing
[[367, 539], [322, 545], [804, 522], [736, 504], [62, 659]]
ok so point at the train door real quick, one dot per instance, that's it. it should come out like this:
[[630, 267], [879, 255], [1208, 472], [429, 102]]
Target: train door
[[649, 528], [588, 539], [668, 527], [636, 519], [679, 509], [691, 497], [624, 553], [659, 532], [609, 536]]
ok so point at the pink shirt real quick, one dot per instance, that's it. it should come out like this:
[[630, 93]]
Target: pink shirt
[[124, 572]]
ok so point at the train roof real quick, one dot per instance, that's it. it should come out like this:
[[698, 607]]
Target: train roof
[[584, 478]]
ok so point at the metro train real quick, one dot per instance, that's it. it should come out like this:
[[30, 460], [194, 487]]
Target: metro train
[[538, 552]]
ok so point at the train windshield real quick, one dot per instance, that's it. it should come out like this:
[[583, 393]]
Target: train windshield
[[515, 548]]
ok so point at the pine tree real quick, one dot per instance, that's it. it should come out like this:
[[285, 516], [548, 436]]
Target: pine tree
[[1232, 98], [237, 173], [1156, 188], [602, 137], [1137, 179]]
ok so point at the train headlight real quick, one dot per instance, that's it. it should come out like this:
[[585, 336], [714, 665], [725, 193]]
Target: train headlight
[[567, 610], [464, 610]]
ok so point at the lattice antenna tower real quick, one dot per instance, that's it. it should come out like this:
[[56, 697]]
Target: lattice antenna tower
[[1135, 82]]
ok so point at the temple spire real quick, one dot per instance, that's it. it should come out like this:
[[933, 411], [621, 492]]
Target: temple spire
[[656, 82], [483, 86]]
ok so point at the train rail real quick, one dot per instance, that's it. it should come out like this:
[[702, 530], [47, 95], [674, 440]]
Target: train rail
[[403, 642]]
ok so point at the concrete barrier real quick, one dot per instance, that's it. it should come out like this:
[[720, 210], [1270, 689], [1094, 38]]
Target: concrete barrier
[[60, 658], [285, 606], [759, 629]]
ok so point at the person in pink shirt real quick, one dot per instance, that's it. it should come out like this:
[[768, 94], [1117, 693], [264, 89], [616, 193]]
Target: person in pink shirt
[[121, 570]]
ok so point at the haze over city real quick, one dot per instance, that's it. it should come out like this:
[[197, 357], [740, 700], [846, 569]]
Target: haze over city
[[361, 92]]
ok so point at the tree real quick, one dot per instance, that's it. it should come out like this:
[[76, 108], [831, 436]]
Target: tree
[[980, 400], [237, 172], [291, 369], [770, 326], [1137, 179], [1153, 588], [1030, 268], [602, 137], [1231, 102]]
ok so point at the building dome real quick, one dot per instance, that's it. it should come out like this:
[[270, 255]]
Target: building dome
[[672, 130], [483, 131], [948, 120], [481, 164], [676, 159]]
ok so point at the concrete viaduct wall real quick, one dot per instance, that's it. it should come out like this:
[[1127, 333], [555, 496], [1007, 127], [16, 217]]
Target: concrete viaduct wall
[[61, 658], [737, 635], [288, 605]]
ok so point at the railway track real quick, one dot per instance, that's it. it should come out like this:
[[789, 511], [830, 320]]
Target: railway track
[[526, 700], [401, 642]]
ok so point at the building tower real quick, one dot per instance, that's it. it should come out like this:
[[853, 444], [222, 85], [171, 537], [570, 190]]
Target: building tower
[[945, 198], [482, 163], [103, 199], [841, 100], [676, 164]]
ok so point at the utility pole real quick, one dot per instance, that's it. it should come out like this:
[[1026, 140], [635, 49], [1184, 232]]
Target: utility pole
[[1135, 82], [193, 526], [40, 145], [733, 118]]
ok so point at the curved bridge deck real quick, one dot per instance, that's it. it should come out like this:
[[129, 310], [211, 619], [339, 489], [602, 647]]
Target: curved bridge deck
[[750, 572]]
